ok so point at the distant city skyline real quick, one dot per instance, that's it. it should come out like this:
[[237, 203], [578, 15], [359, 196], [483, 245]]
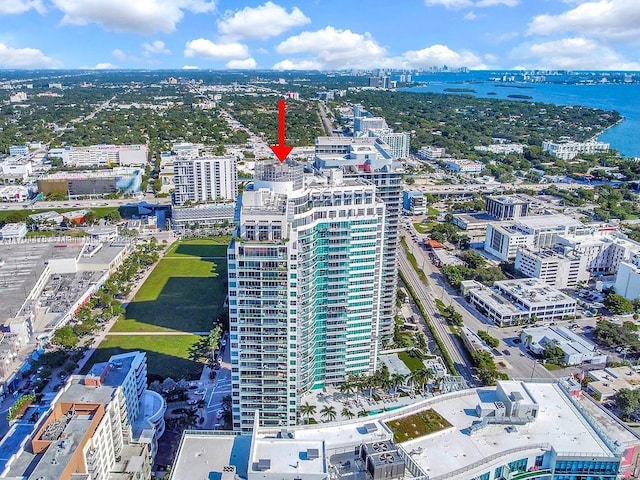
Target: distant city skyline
[[322, 34]]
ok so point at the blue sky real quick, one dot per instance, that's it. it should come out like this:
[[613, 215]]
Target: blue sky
[[320, 34]]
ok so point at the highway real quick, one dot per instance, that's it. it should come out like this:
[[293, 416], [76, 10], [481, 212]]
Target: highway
[[101, 202]]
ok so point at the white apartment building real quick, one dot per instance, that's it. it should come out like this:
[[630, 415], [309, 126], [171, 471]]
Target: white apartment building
[[305, 279], [398, 142], [628, 278], [364, 124], [106, 156], [603, 249], [570, 150], [516, 302], [560, 270], [205, 179], [18, 150], [101, 426], [501, 148], [186, 150], [540, 231]]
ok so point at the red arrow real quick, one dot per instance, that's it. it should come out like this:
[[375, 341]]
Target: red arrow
[[281, 150]]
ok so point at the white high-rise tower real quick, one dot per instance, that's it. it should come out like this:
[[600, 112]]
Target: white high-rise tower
[[305, 273]]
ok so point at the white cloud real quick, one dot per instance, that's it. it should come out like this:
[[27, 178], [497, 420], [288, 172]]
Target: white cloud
[[459, 4], [602, 18], [574, 53], [12, 7], [470, 16], [335, 48], [454, 4], [264, 21], [201, 47], [25, 58], [190, 67], [246, 64], [102, 66], [155, 47], [438, 55], [297, 65], [141, 16]]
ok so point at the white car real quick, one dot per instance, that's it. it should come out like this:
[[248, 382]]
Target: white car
[[200, 392]]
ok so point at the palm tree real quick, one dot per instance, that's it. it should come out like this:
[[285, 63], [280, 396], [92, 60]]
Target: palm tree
[[347, 413], [363, 413], [347, 387], [306, 410], [397, 380], [419, 378], [329, 412]]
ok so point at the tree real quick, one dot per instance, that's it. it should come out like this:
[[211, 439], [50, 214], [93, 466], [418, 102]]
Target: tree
[[65, 337], [363, 413], [329, 412], [348, 414], [553, 353], [617, 304], [473, 259], [628, 401], [488, 339], [306, 410], [397, 380]]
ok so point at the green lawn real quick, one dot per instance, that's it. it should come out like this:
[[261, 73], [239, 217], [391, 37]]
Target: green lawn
[[417, 425], [167, 355], [412, 363], [214, 248], [184, 293]]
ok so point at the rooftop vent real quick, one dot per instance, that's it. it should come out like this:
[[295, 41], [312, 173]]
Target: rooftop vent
[[312, 453], [264, 464]]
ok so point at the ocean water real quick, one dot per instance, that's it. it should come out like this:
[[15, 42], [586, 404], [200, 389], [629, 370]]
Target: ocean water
[[624, 98]]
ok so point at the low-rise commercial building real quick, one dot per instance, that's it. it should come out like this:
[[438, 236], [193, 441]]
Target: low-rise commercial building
[[12, 231], [203, 216], [516, 302], [606, 383], [414, 203], [507, 207], [465, 166], [515, 430], [14, 193], [576, 348], [105, 156], [92, 183]]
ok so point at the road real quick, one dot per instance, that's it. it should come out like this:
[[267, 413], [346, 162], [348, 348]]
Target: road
[[102, 202], [425, 294], [328, 124], [517, 362]]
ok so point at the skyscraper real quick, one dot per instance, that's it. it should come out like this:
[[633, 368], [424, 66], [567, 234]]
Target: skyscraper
[[369, 158], [305, 275]]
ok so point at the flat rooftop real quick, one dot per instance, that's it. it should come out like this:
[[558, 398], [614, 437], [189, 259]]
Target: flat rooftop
[[23, 266], [558, 423], [205, 453], [569, 341], [498, 303], [548, 221], [533, 291], [289, 457]]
